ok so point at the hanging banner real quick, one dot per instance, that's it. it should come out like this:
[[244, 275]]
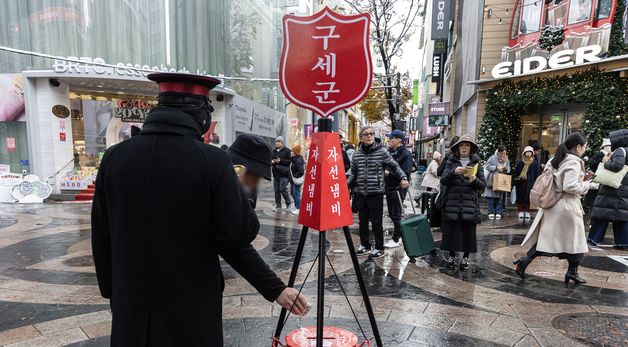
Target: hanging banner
[[325, 202], [437, 67], [325, 61]]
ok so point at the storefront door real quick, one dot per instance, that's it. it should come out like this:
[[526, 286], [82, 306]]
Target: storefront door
[[557, 122]]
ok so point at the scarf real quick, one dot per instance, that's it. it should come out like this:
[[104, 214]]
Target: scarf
[[526, 165]]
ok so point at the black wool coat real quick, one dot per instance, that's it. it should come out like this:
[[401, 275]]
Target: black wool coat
[[523, 187], [282, 170], [612, 204], [166, 206], [461, 202]]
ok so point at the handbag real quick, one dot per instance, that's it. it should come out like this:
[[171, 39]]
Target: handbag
[[608, 177], [296, 181]]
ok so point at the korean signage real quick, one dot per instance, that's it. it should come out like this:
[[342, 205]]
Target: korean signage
[[563, 58], [325, 203], [133, 110], [441, 15], [437, 67], [440, 46], [325, 61]]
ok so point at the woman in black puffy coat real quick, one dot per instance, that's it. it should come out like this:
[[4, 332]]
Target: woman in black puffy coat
[[611, 204], [464, 180]]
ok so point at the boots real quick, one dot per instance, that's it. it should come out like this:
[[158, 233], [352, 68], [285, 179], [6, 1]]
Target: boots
[[572, 274], [521, 265]]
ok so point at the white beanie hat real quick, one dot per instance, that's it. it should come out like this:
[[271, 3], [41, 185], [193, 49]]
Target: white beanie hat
[[527, 149]]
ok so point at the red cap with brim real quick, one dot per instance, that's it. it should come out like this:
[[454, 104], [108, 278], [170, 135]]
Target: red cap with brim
[[184, 83]]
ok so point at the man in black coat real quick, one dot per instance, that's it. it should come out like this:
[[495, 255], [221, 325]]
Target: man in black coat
[[166, 206], [394, 192], [281, 174]]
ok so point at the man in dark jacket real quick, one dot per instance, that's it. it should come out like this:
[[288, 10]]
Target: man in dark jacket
[[394, 193], [281, 174], [367, 181], [611, 204], [166, 206]]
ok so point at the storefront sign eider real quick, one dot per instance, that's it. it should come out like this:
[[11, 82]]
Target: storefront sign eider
[[564, 58], [441, 12]]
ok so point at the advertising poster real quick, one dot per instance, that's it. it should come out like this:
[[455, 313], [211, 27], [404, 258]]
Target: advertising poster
[[14, 148]]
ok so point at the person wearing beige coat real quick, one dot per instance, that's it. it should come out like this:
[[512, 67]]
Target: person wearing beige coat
[[559, 231]]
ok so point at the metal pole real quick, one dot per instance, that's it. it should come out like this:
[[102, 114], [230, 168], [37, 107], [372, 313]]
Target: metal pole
[[320, 311], [365, 295], [293, 276]]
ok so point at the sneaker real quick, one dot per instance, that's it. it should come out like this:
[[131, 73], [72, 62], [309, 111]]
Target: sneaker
[[392, 244], [363, 250], [527, 217], [491, 216], [451, 262], [521, 216], [295, 211], [290, 208], [464, 264], [498, 216], [376, 254], [275, 209]]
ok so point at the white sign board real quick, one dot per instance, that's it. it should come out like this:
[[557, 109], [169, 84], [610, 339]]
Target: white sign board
[[251, 117], [564, 58]]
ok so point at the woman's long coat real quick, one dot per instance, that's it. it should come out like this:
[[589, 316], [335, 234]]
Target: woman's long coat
[[560, 229]]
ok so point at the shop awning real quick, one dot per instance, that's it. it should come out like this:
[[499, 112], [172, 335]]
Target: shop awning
[[428, 139]]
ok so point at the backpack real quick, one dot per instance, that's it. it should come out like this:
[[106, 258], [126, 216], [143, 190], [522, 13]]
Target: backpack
[[543, 193]]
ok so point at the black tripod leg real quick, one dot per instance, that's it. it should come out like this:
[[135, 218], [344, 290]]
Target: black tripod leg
[[365, 295], [320, 311], [293, 276]]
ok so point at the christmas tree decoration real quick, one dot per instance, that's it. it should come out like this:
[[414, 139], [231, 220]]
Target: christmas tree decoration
[[605, 95], [616, 45]]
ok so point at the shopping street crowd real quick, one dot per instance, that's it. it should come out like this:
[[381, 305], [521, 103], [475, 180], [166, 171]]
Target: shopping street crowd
[[455, 183]]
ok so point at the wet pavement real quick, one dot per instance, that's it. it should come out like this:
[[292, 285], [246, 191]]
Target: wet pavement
[[49, 297]]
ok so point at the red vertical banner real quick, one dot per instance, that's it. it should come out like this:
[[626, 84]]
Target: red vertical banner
[[325, 202], [11, 147]]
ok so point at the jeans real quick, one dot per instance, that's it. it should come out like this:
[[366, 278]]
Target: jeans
[[281, 189], [296, 194], [371, 209], [598, 229], [394, 211], [496, 205]]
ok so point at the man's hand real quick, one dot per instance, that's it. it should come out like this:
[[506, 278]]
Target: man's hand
[[404, 184], [287, 298], [459, 170]]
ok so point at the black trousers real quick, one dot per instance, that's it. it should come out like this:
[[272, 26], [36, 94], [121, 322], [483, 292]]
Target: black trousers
[[573, 259], [370, 209], [395, 210]]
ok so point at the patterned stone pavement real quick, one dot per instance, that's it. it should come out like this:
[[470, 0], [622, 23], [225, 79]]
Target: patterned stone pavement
[[49, 297]]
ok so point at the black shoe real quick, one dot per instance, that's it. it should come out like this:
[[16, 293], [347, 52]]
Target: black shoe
[[574, 277], [376, 254], [464, 264], [522, 263], [451, 262], [363, 250]]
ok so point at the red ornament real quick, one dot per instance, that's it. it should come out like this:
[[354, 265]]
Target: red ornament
[[326, 61], [325, 202]]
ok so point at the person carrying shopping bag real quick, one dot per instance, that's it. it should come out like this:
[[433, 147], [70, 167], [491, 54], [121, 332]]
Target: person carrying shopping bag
[[611, 204], [559, 230]]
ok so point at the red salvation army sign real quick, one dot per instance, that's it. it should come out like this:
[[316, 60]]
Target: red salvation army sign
[[325, 61]]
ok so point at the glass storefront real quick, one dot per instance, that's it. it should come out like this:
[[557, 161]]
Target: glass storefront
[[551, 126], [233, 38], [13, 141], [99, 122]]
